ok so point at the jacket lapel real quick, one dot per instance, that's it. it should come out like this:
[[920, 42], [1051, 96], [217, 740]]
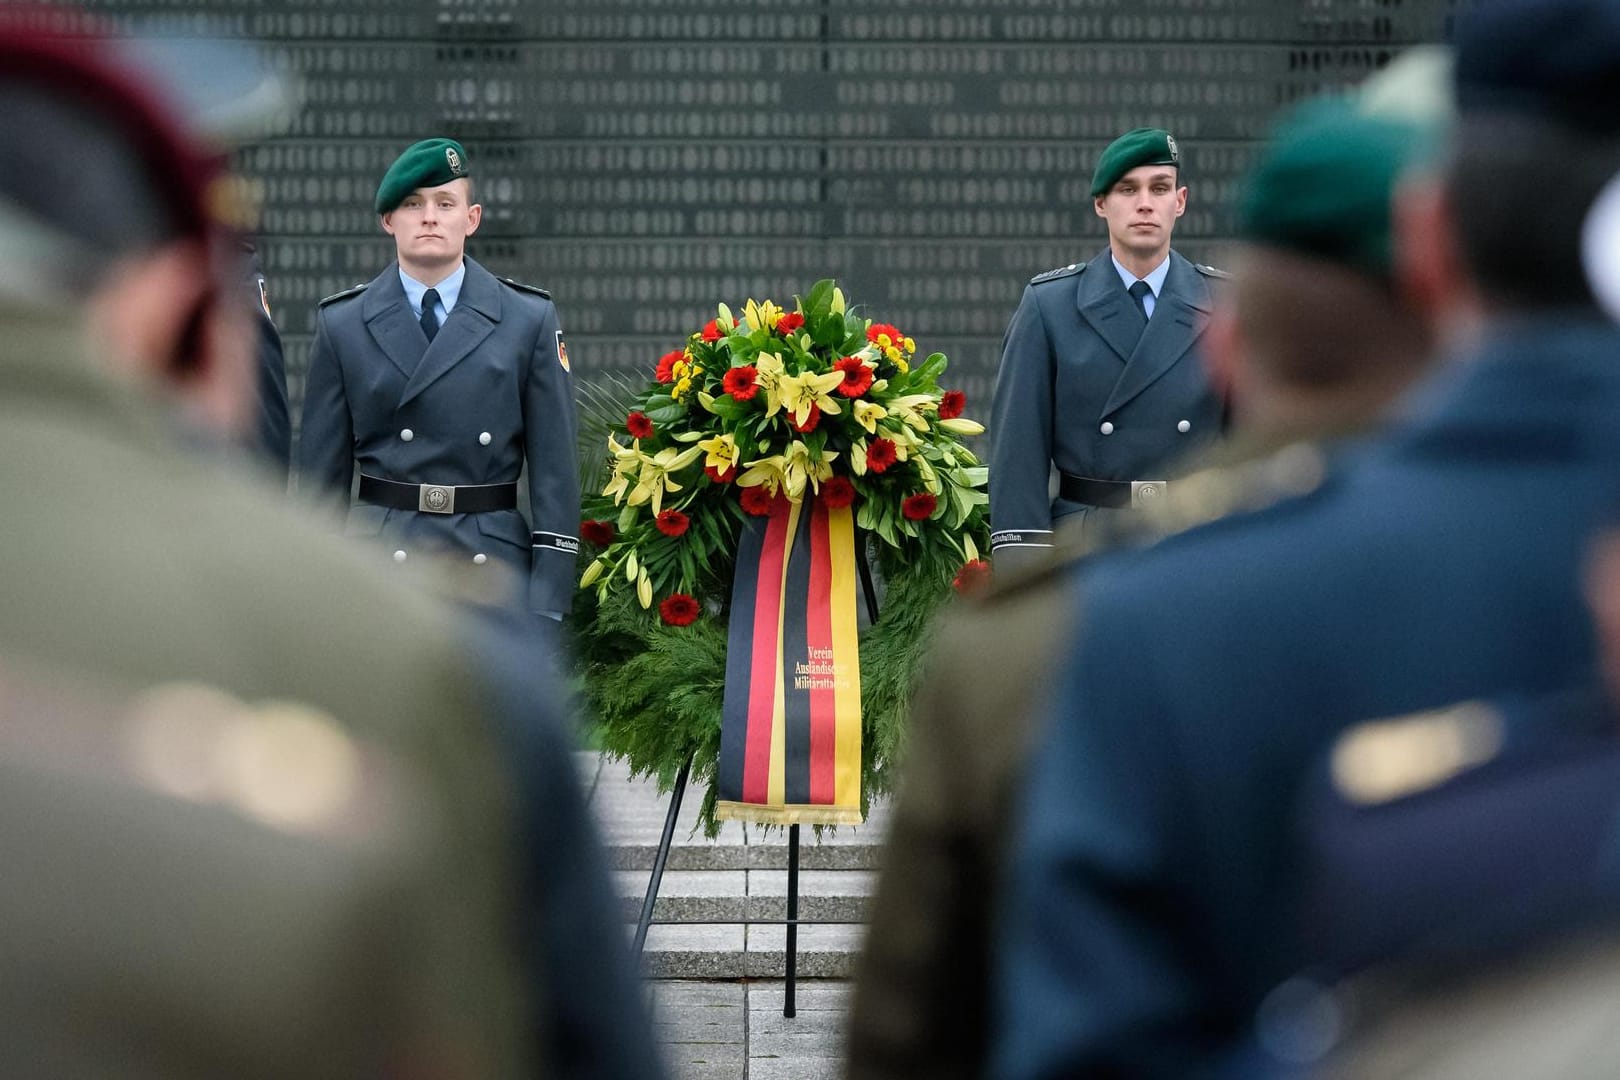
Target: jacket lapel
[[388, 317], [1180, 316], [1108, 308], [477, 311]]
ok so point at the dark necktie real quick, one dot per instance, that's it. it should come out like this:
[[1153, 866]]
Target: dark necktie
[[1138, 290], [430, 318]]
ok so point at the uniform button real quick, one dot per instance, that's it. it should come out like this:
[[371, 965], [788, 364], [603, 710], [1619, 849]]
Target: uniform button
[[483, 438], [399, 556], [1107, 427], [480, 559], [1184, 427], [407, 434]]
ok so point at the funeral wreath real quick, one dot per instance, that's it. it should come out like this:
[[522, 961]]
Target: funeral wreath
[[815, 401]]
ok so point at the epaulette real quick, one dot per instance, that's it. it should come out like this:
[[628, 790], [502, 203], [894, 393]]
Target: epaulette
[[1053, 275], [1210, 271], [537, 290], [345, 293], [1397, 757]]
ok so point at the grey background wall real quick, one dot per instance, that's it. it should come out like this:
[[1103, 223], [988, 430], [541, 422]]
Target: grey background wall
[[644, 159]]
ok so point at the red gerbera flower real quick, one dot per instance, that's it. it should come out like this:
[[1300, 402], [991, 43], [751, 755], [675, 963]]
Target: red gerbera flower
[[973, 576], [719, 477], [638, 425], [857, 376], [919, 507], [877, 330], [952, 404], [837, 492], [789, 323], [810, 421], [672, 522], [757, 501], [740, 382], [880, 455], [599, 533], [666, 366], [679, 610], [711, 330]]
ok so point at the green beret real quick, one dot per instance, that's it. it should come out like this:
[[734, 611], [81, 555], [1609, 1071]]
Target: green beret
[[1143, 146], [1323, 184], [429, 163]]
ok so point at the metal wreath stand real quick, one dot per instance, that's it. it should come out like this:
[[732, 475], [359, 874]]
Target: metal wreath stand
[[793, 922]]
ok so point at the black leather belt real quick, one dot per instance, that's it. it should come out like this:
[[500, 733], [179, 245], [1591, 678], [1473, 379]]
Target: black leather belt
[[438, 498], [1112, 493]]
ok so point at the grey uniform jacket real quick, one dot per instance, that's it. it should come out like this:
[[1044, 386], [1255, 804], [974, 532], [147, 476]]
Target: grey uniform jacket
[[491, 392], [1085, 387]]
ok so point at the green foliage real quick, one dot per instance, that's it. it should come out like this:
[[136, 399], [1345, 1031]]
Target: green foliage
[[656, 690]]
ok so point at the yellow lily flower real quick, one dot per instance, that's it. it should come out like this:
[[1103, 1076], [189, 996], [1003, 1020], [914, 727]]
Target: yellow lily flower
[[655, 477], [803, 467], [961, 425], [789, 472], [626, 464], [769, 372], [868, 413], [761, 316], [721, 451], [799, 392], [909, 408]]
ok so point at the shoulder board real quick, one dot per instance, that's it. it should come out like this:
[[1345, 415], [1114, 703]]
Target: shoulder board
[[1062, 271], [1222, 492], [344, 294], [537, 290], [1398, 757], [1210, 271]]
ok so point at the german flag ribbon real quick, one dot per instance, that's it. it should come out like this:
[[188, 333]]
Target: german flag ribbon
[[790, 735]]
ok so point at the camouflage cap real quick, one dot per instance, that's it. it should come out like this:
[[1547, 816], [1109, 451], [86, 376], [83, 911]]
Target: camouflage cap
[[1323, 183], [428, 163], [1141, 146]]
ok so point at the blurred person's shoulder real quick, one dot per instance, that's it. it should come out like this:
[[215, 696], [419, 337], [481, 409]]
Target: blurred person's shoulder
[[308, 848]]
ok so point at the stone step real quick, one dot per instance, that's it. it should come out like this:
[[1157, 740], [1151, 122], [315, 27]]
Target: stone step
[[732, 951], [730, 895], [739, 875]]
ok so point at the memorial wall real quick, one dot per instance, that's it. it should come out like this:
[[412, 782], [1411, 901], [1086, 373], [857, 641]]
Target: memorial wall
[[644, 159]]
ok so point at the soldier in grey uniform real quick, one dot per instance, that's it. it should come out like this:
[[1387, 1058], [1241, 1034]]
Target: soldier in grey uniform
[[439, 382], [1315, 222], [1099, 376]]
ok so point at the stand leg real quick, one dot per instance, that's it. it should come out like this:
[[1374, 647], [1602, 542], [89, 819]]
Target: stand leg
[[788, 1005], [662, 858]]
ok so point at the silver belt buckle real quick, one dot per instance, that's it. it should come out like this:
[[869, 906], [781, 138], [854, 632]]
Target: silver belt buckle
[[1147, 492], [436, 499]]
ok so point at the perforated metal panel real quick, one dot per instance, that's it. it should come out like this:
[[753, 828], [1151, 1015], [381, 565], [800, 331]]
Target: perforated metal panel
[[643, 159]]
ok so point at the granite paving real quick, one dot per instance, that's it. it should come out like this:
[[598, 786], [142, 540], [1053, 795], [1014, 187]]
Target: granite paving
[[715, 971]]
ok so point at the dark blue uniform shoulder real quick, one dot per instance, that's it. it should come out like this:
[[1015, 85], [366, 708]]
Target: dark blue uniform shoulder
[[1210, 271], [537, 290], [1060, 272], [344, 295]]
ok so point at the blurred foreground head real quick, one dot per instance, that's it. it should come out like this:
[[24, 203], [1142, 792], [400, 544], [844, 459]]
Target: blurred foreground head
[[1537, 138], [107, 218], [1315, 336]]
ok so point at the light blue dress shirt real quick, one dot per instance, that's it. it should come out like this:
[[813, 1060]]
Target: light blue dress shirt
[[1155, 280], [449, 292]]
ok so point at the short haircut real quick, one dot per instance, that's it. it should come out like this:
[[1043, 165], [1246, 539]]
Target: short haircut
[[1520, 190], [1315, 324]]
